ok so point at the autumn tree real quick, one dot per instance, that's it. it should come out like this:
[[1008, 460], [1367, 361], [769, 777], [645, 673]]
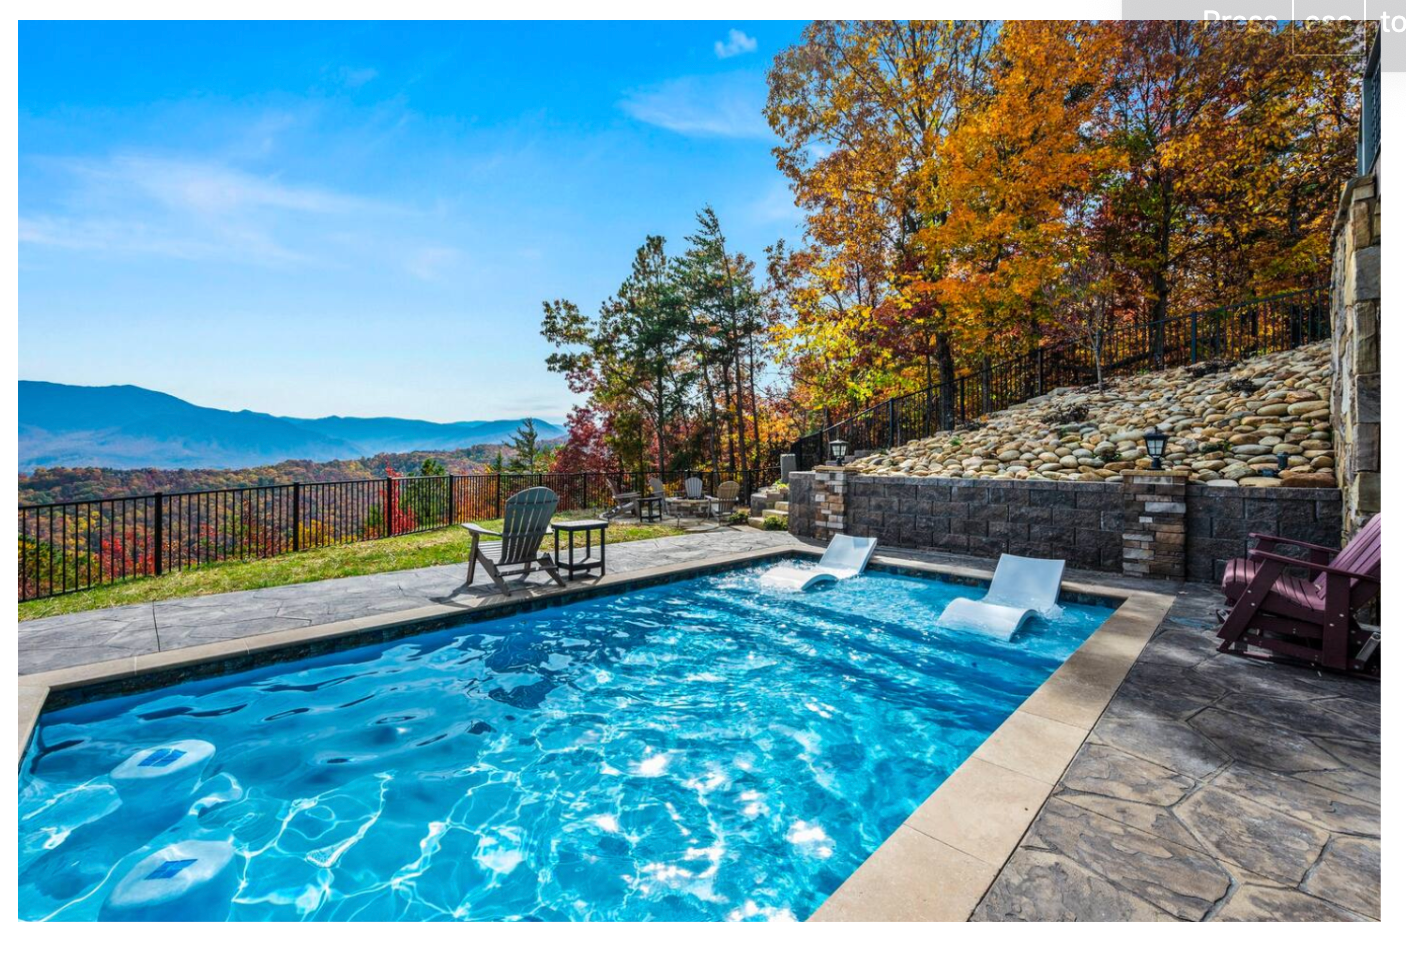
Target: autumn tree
[[965, 185], [861, 109], [586, 448]]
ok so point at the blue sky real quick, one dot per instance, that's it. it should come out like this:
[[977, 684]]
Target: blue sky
[[364, 219]]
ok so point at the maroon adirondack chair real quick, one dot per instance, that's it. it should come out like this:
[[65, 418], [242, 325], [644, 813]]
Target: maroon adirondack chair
[[1312, 620]]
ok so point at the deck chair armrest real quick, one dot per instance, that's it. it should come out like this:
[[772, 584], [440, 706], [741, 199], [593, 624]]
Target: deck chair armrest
[[1318, 553], [478, 531], [1280, 560]]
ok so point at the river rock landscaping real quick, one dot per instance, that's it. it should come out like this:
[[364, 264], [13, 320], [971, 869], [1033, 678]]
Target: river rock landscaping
[[1227, 424]]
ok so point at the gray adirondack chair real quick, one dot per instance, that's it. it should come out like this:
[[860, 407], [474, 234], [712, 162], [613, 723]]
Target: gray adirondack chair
[[726, 500], [626, 501], [656, 490], [693, 488], [526, 515]]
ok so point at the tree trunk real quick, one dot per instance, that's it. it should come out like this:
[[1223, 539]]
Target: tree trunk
[[947, 374], [741, 408], [712, 417], [756, 420], [727, 416], [659, 425]]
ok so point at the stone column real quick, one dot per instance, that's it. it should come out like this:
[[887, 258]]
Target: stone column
[[831, 483], [1154, 524], [1357, 388]]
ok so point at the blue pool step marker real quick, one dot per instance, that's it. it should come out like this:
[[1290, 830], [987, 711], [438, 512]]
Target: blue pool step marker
[[161, 757], [166, 766], [189, 880]]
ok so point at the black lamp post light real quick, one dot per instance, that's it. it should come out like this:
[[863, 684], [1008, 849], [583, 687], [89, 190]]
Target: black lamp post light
[[1156, 442], [838, 449]]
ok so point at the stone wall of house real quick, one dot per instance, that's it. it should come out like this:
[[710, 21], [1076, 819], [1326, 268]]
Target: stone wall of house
[[1083, 523], [1356, 357]]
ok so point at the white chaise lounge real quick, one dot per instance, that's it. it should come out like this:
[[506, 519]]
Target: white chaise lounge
[[845, 557], [1022, 587]]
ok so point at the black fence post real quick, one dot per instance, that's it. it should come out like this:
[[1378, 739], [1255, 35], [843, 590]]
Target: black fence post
[[1194, 334], [160, 534], [498, 510], [1040, 371], [297, 516], [386, 520], [893, 424]]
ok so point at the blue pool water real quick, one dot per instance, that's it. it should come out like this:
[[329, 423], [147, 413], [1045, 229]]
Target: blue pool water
[[696, 751]]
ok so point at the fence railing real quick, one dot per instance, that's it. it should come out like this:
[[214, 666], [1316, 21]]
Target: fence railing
[[1222, 333], [66, 547]]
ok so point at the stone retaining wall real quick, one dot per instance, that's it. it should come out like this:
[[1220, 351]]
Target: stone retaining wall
[[1081, 522], [1219, 519]]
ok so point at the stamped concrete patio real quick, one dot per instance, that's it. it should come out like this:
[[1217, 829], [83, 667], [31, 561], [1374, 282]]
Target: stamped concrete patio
[[1211, 788]]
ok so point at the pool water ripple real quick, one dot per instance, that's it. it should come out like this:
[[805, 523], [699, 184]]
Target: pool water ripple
[[702, 750]]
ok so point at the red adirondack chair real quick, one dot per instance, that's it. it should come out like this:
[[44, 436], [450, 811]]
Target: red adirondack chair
[[1312, 620]]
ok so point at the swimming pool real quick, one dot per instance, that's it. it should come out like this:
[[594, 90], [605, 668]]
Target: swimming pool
[[693, 751]]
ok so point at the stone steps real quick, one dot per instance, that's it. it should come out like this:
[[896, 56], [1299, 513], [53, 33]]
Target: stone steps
[[775, 513]]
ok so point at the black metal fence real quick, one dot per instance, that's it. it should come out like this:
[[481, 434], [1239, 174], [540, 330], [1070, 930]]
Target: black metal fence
[[1223, 333], [66, 547]]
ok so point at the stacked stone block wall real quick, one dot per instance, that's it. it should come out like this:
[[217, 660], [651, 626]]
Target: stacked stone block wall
[[1219, 521], [1082, 523]]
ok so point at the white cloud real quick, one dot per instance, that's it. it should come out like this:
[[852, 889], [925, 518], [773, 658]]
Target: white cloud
[[354, 77], [427, 263], [777, 205], [202, 188], [721, 105], [186, 209], [737, 43]]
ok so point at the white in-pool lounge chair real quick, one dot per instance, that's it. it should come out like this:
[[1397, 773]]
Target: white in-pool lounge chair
[[845, 557], [1022, 587]]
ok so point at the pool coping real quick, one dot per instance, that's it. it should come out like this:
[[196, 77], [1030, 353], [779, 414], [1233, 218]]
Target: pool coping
[[937, 865]]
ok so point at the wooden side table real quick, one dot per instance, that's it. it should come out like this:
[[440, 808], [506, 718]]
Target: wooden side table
[[588, 561]]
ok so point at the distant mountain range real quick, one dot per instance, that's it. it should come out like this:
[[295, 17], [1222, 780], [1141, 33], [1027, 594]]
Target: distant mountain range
[[131, 427]]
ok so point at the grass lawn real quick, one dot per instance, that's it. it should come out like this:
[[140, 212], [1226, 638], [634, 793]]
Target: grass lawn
[[328, 563]]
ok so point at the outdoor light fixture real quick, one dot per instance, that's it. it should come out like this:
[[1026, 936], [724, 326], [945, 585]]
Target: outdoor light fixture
[[838, 449], [1156, 442]]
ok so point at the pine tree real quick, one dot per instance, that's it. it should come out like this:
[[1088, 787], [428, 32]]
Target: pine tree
[[526, 448]]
